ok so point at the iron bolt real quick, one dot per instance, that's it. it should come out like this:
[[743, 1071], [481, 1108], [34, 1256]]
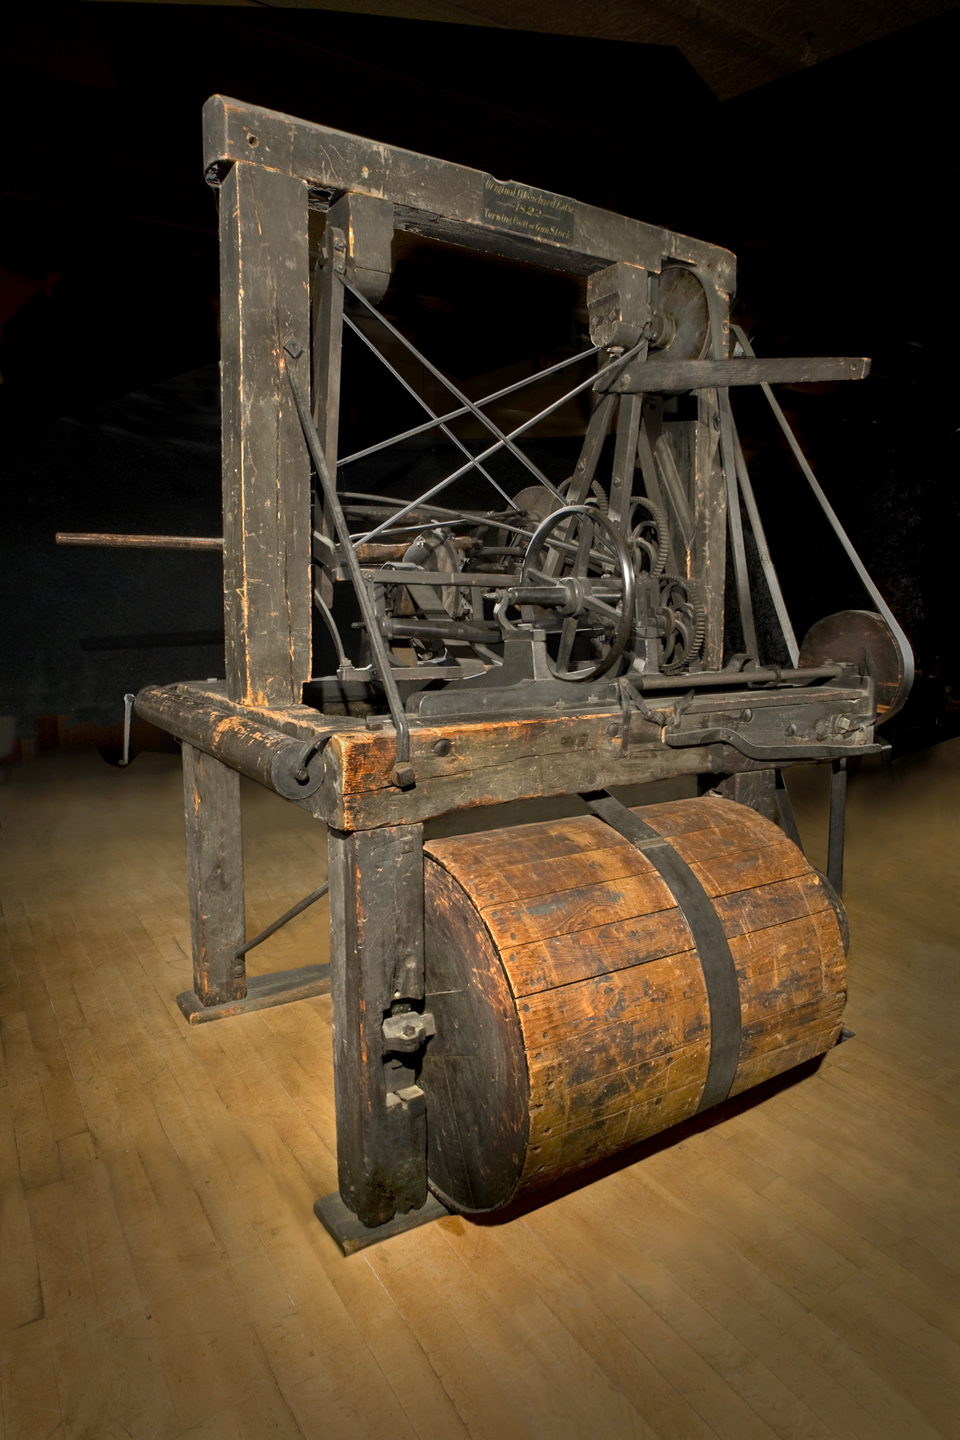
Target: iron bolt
[[238, 971], [746, 714], [442, 747], [403, 776], [791, 729], [843, 722], [613, 728]]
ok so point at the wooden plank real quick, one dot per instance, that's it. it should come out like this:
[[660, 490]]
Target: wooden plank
[[663, 375], [376, 919], [326, 347], [38, 1155], [263, 1088], [581, 908], [31, 1408], [439, 196], [263, 992], [545, 964], [264, 282], [21, 1302], [622, 1355], [489, 763], [697, 1356], [211, 804]]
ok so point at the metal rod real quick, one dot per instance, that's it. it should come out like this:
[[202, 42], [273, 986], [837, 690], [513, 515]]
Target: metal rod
[[439, 375], [141, 542], [735, 525], [520, 430], [838, 807], [713, 679], [292, 351], [906, 649], [420, 401], [465, 409], [277, 924], [788, 821], [769, 569]]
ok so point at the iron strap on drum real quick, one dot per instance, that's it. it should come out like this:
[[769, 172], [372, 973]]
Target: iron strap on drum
[[712, 946]]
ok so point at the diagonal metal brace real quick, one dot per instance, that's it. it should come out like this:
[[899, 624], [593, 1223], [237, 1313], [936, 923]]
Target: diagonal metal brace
[[292, 352]]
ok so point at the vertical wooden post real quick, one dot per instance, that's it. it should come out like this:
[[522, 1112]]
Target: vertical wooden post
[[756, 788], [709, 565], [211, 798], [327, 338], [264, 283], [376, 924], [838, 806]]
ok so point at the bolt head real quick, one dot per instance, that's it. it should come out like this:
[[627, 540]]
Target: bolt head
[[403, 776], [442, 746], [746, 714]]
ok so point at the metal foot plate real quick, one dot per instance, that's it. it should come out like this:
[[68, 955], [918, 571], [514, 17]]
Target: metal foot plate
[[352, 1235], [263, 992]]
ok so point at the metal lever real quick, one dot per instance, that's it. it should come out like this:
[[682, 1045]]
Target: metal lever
[[128, 700], [403, 775]]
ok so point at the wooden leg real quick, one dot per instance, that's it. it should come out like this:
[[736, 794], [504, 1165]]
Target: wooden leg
[[756, 788], [211, 794], [376, 952]]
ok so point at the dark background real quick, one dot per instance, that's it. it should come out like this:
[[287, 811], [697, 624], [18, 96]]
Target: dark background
[[835, 186]]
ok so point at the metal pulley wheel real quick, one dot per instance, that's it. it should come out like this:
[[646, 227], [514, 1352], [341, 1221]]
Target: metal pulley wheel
[[597, 555], [682, 313], [862, 638]]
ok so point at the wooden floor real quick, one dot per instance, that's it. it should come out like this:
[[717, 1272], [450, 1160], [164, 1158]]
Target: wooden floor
[[789, 1266]]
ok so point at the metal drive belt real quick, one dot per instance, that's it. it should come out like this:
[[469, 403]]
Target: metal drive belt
[[716, 960]]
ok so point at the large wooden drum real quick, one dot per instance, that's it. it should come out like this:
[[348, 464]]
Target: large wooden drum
[[569, 995]]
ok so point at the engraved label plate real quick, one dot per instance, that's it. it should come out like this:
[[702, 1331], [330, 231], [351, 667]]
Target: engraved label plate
[[511, 206]]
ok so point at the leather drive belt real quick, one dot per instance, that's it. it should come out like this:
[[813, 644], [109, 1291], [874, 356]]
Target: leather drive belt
[[716, 960]]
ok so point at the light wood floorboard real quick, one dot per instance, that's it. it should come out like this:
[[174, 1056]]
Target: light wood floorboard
[[786, 1268]]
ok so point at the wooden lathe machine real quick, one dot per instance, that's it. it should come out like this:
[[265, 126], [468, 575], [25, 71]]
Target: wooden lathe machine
[[514, 1004]]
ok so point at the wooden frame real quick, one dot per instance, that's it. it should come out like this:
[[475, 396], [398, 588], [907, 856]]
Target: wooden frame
[[271, 170]]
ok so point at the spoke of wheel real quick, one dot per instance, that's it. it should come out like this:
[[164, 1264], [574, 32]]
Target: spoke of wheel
[[484, 419], [520, 430], [465, 409], [580, 562], [567, 637], [590, 602], [435, 419]]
